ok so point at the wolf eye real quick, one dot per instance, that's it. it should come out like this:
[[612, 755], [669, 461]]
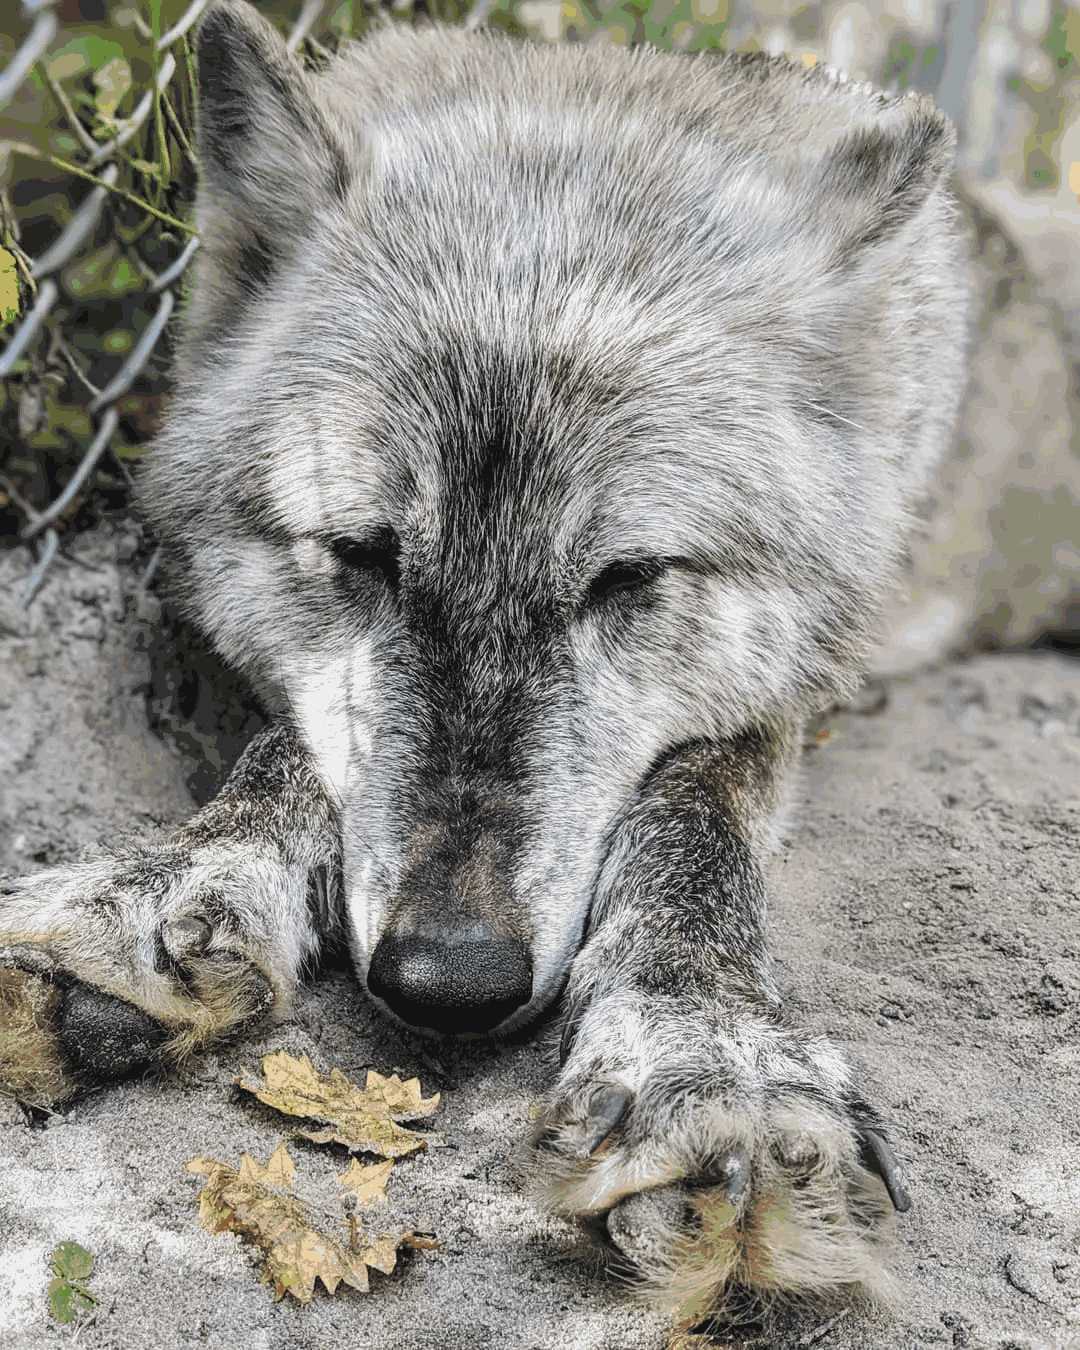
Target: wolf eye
[[375, 553], [621, 577]]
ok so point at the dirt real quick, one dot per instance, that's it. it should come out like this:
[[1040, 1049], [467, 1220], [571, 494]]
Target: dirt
[[925, 916]]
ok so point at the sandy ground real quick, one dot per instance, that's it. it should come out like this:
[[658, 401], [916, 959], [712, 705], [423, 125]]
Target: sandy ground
[[926, 916]]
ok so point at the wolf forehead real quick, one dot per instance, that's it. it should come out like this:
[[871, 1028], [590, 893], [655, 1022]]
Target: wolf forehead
[[518, 445], [593, 296]]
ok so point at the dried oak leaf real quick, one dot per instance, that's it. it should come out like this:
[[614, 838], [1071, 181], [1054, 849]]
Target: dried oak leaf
[[403, 1099], [254, 1200], [363, 1119], [279, 1169], [9, 287], [368, 1184]]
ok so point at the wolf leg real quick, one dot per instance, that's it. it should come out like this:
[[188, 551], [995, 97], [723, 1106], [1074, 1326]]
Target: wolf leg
[[723, 1148], [148, 952]]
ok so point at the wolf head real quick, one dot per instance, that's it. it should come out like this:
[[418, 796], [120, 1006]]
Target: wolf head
[[539, 411]]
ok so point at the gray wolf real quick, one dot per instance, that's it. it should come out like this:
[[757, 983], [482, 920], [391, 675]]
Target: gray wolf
[[549, 428]]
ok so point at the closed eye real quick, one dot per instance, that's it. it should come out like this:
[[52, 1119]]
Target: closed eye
[[375, 554], [623, 578]]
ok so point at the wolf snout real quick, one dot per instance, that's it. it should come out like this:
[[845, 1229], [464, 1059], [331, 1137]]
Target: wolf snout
[[465, 978]]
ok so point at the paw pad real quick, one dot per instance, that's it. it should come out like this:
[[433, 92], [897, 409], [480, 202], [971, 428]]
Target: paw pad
[[104, 1038]]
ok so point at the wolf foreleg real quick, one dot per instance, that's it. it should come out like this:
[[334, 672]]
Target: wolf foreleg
[[147, 952], [722, 1148]]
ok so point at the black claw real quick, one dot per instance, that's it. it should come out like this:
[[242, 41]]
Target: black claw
[[607, 1106], [877, 1155], [735, 1174], [105, 1038], [730, 1171]]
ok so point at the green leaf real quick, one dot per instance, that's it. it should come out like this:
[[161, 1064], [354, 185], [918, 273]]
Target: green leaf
[[111, 82], [119, 342], [72, 1262], [67, 1301], [104, 272], [147, 167], [86, 52], [124, 278]]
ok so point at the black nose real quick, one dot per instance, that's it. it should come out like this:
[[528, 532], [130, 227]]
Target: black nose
[[465, 978]]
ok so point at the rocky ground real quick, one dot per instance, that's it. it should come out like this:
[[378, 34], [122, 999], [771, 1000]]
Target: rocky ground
[[926, 913]]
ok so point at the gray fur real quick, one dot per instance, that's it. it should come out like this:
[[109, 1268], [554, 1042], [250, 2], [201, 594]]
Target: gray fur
[[573, 307], [548, 430]]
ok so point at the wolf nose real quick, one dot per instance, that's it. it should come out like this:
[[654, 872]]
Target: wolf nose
[[470, 980]]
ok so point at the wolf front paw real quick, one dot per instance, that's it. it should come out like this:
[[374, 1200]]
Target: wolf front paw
[[140, 957], [719, 1151]]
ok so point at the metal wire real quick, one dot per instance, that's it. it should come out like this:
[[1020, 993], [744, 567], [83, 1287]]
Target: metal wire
[[40, 529], [38, 38]]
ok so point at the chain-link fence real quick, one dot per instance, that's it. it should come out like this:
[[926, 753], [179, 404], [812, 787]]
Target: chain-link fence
[[40, 528], [99, 166], [80, 392]]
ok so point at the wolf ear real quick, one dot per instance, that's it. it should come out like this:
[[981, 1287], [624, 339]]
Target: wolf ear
[[266, 151], [877, 178]]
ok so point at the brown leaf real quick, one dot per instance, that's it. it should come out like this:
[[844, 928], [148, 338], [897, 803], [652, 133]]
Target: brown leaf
[[254, 1200], [279, 1171], [403, 1099], [368, 1184], [9, 287], [363, 1119], [381, 1254]]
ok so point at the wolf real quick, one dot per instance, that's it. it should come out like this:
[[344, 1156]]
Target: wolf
[[550, 424]]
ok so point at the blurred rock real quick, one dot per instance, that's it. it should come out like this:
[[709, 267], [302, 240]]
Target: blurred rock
[[998, 563]]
